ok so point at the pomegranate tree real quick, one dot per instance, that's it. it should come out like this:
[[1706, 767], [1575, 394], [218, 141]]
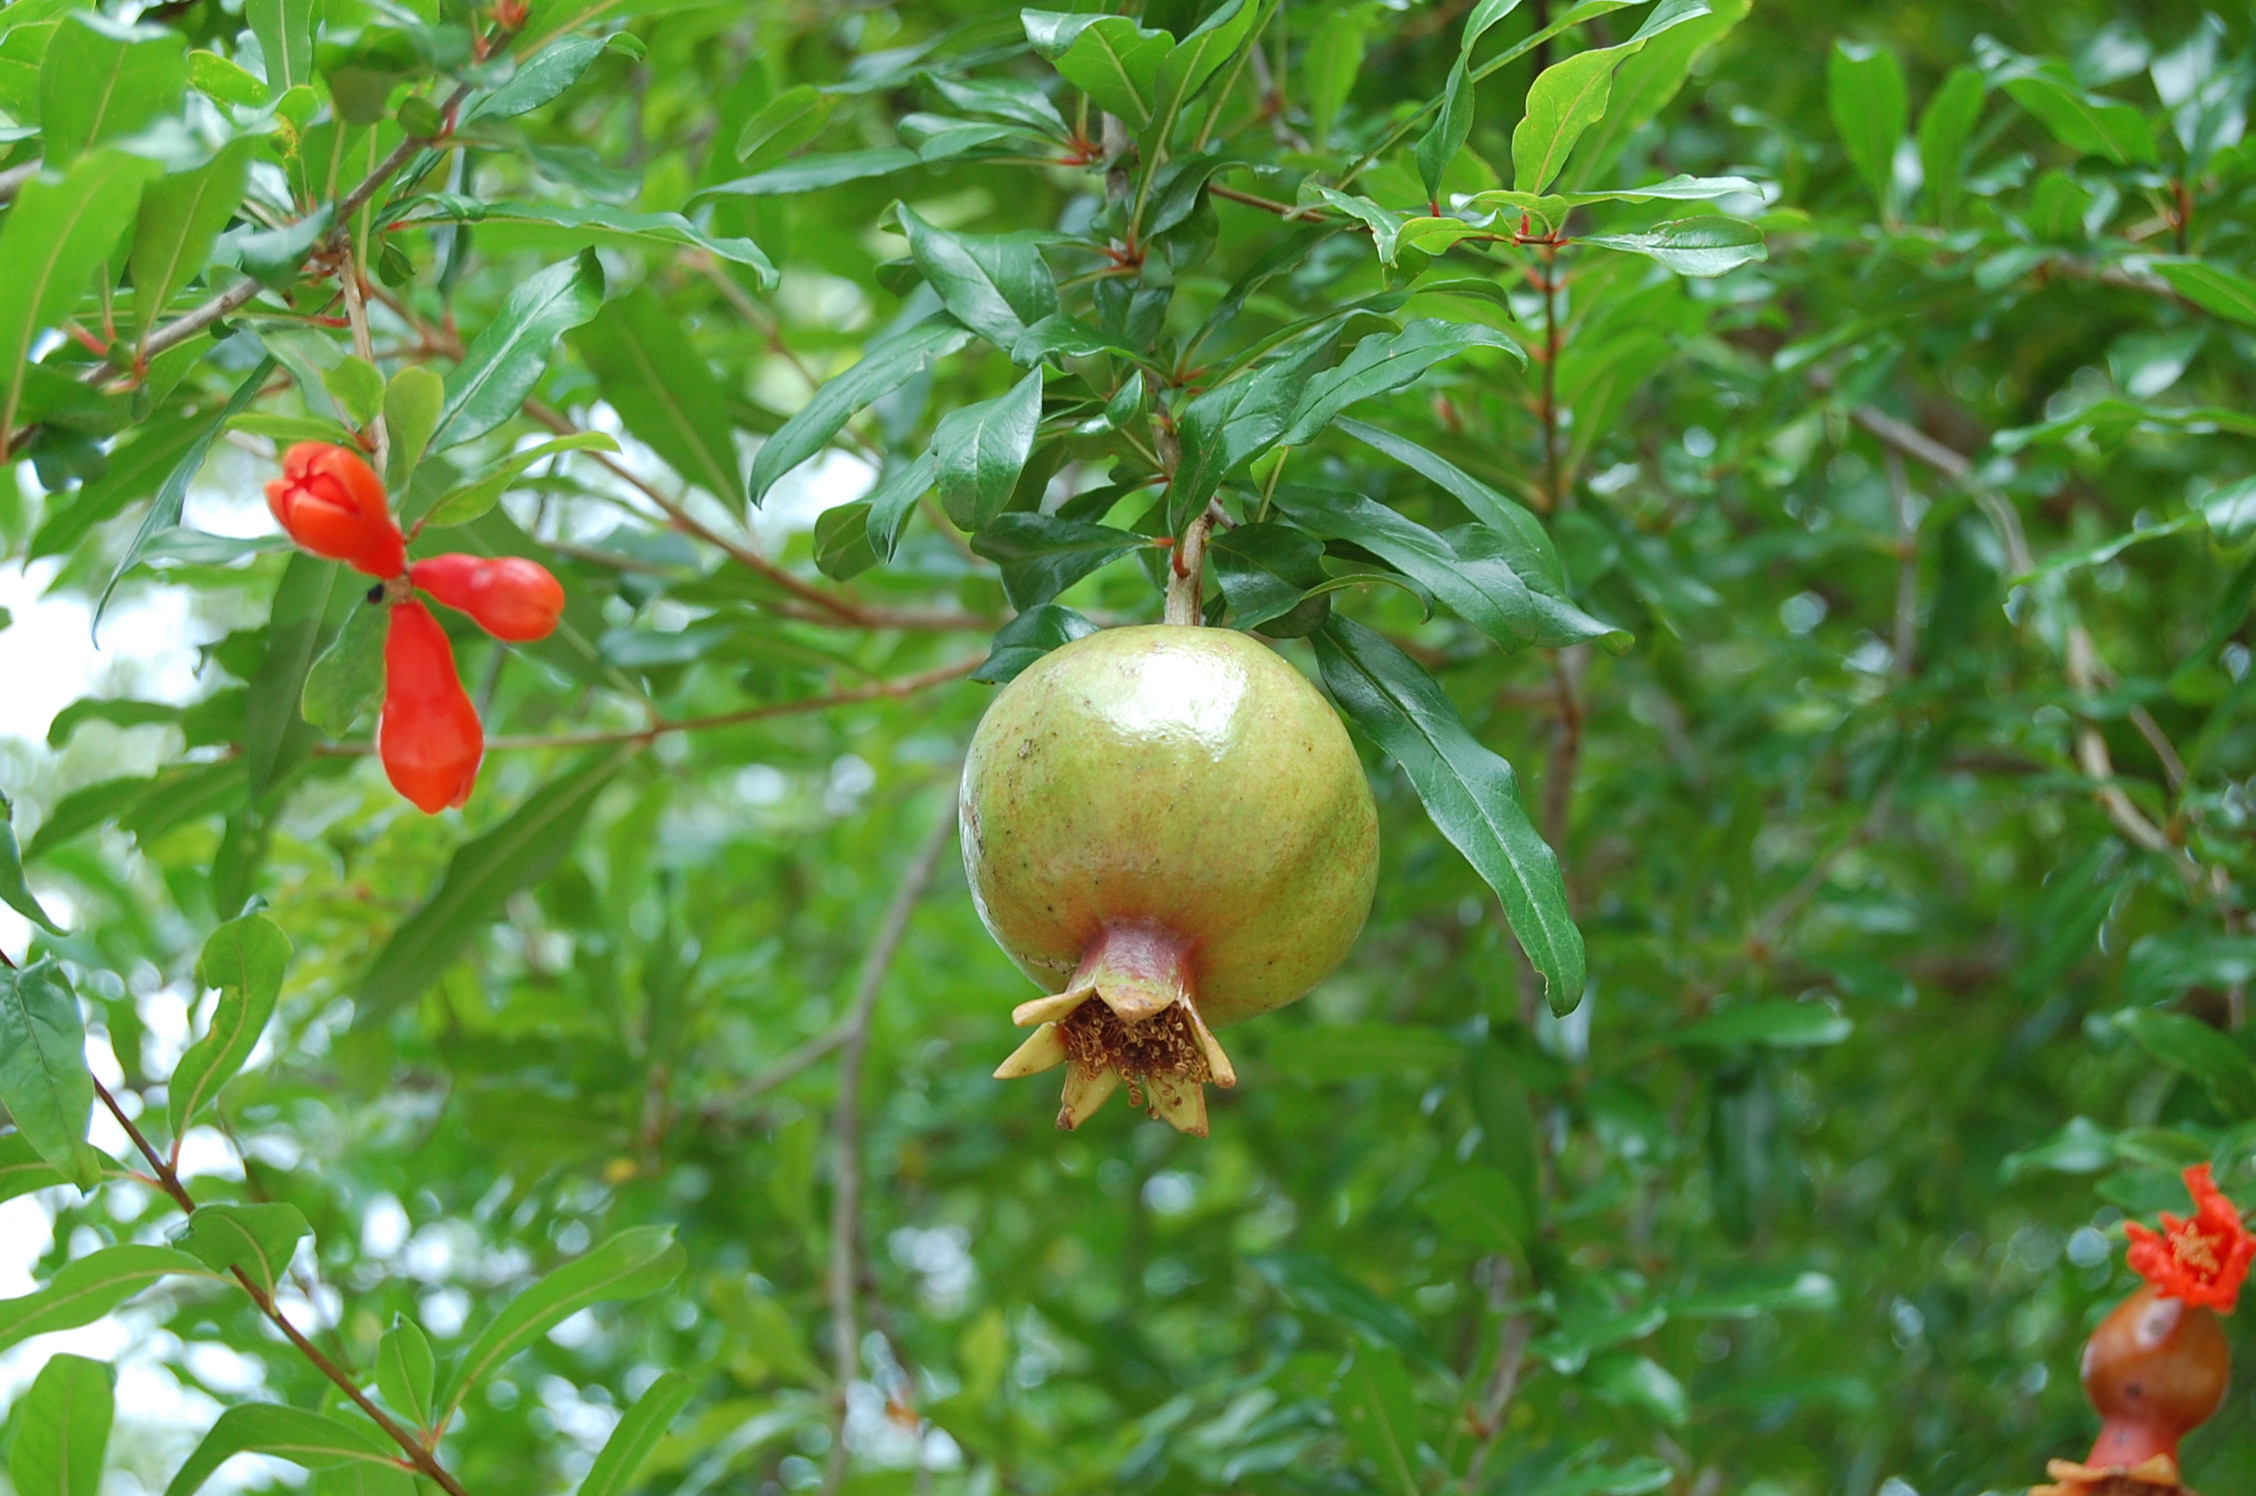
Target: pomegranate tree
[[1167, 828]]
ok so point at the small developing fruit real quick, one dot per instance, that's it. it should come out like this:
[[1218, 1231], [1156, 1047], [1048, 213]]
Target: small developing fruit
[[2156, 1369], [332, 503], [1171, 821], [511, 598], [428, 735]]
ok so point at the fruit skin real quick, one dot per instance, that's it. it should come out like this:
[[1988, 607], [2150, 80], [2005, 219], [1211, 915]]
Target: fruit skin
[[333, 504], [428, 736], [2156, 1368], [1183, 777], [511, 598]]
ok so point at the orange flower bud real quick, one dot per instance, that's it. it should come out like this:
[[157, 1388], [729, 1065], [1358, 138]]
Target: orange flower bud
[[428, 736], [510, 597], [332, 503]]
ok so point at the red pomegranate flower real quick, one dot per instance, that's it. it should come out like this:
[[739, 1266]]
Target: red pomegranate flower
[[510, 597], [2201, 1259], [332, 503], [428, 737]]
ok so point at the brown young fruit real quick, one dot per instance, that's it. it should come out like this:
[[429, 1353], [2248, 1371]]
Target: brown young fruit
[[2156, 1368], [1170, 821]]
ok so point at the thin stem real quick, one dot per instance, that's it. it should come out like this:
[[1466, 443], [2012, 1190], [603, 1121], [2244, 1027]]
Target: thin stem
[[1186, 572], [846, 1130], [356, 314], [168, 1179]]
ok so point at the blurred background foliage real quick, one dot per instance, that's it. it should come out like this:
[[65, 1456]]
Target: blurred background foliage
[[1909, 837]]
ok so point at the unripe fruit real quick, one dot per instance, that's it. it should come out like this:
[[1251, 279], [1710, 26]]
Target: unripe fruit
[[428, 737], [1172, 821], [332, 503], [511, 598], [2156, 1368]]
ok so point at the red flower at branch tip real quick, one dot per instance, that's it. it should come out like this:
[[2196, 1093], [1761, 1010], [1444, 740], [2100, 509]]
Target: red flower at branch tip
[[2201, 1259], [332, 503], [428, 737], [510, 597]]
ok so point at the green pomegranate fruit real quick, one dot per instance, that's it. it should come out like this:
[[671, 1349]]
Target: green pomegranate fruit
[[1172, 822]]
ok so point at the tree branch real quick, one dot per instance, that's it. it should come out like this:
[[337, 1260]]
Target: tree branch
[[168, 1180], [846, 1130]]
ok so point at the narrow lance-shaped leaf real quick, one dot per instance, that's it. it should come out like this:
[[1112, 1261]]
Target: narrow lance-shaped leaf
[[172, 497], [1471, 793], [22, 1170], [995, 284], [348, 678], [414, 400], [1041, 554], [44, 1082], [636, 1436], [981, 449], [1692, 246], [314, 1440], [505, 361], [475, 499], [102, 79], [63, 1430], [1864, 90], [180, 216], [1112, 60], [54, 232], [519, 852], [1377, 1408], [888, 364], [1028, 637], [245, 959], [311, 594], [14, 892], [634, 1263], [255, 1240], [1384, 362], [89, 1288], [406, 1373], [656, 379]]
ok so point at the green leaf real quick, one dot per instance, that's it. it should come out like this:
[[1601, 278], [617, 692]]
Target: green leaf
[[1317, 1286], [357, 388], [518, 853], [1530, 552], [284, 29], [505, 361], [540, 79], [658, 382], [1377, 1409], [1452, 126], [842, 544], [596, 225], [995, 284], [2188, 1045], [2213, 288], [813, 173], [172, 495], [1192, 62], [407, 1374], [55, 233], [89, 1288], [981, 449], [790, 120], [1945, 126], [473, 500], [311, 592], [102, 79], [1228, 426], [1864, 92], [1329, 66], [1633, 1477], [1472, 795], [632, 1442], [44, 1082], [1384, 362], [635, 1263], [1566, 99], [1692, 246], [180, 216], [245, 959], [1480, 1209], [1646, 82], [63, 1430], [893, 499], [22, 1170], [1266, 570], [1028, 637], [1385, 225], [1041, 554], [314, 1440], [1114, 61], [217, 78], [1642, 1385], [1746, 1295], [1777, 1024], [137, 465], [14, 892], [1487, 591], [258, 1240], [2081, 121], [414, 399], [889, 363]]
